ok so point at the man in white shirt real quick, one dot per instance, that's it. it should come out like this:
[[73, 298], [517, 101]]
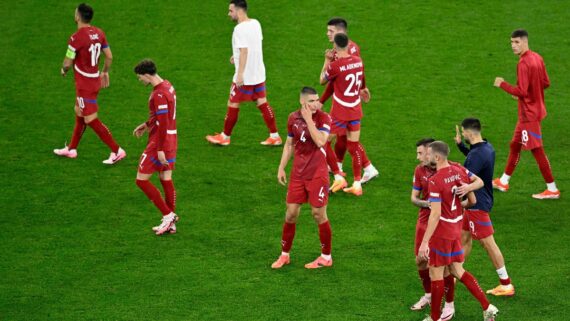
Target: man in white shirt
[[249, 78]]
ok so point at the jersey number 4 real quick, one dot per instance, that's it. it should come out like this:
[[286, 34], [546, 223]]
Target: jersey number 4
[[95, 50], [353, 88]]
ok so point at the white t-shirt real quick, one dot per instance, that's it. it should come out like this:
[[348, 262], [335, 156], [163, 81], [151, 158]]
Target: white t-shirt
[[248, 35]]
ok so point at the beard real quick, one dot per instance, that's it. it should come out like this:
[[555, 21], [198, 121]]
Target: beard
[[432, 164]]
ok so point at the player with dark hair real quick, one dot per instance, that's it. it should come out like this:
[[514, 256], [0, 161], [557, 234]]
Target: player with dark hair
[[160, 152], [441, 243], [532, 79], [308, 130], [83, 51], [476, 220], [419, 198], [346, 76], [249, 78]]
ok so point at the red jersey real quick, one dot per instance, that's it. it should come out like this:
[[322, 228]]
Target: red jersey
[[442, 187], [310, 160], [162, 119], [421, 179], [531, 82], [87, 44], [353, 50], [347, 77]]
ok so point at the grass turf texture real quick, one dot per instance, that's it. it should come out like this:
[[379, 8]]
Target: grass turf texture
[[76, 236]]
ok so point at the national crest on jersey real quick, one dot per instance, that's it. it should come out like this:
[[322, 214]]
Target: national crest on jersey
[[162, 118], [309, 160]]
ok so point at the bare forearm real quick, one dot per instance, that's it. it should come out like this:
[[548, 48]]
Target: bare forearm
[[432, 224], [318, 137], [286, 156], [107, 64], [66, 65], [420, 203]]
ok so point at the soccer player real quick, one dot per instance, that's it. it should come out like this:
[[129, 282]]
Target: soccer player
[[419, 197], [346, 75], [476, 220], [160, 152], [529, 91], [441, 243], [249, 78], [308, 130], [83, 51]]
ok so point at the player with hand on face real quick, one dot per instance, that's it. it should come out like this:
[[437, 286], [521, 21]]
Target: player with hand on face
[[308, 130]]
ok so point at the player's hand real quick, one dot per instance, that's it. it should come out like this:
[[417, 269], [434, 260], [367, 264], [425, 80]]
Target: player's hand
[[162, 157], [63, 72], [239, 80], [423, 251], [281, 176], [319, 105], [232, 60], [329, 54], [498, 82], [463, 190], [105, 80], [515, 97], [365, 95], [140, 130], [457, 135], [306, 113]]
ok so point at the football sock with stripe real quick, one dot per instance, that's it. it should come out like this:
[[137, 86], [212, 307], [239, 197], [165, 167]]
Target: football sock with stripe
[[104, 134], [268, 117], [230, 120], [153, 194], [78, 131], [169, 194], [473, 287]]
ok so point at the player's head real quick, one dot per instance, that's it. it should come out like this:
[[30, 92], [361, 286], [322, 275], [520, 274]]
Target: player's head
[[340, 41], [421, 150], [83, 13], [519, 41], [437, 152], [310, 97], [145, 70], [334, 26], [236, 8], [470, 129]]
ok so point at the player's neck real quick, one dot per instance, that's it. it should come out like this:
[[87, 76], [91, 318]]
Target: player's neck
[[343, 54], [242, 18], [442, 164], [156, 80], [524, 51], [82, 25], [476, 140]]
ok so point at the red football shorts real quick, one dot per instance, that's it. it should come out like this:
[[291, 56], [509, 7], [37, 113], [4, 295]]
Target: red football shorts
[[149, 162], [478, 223], [87, 102], [420, 231], [528, 134], [340, 127], [443, 252], [247, 93], [315, 190]]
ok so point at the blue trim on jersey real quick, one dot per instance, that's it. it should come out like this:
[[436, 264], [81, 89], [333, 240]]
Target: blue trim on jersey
[[157, 162], [417, 188], [339, 124], [248, 92], [448, 254], [535, 135], [260, 89], [470, 174], [354, 122], [91, 101], [104, 46], [485, 223], [434, 199], [324, 130], [290, 135], [160, 112]]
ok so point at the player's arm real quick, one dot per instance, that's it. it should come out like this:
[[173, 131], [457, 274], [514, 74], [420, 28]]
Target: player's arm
[[106, 67], [328, 58], [329, 90], [416, 200], [68, 60], [521, 89], [318, 135], [364, 91], [435, 214], [469, 201], [241, 67], [476, 183], [285, 157], [459, 142], [545, 80], [140, 130], [161, 113]]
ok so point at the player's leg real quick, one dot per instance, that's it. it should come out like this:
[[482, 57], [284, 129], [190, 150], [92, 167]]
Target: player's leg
[[340, 149], [168, 188], [449, 288], [437, 290], [338, 127], [551, 191], [288, 234], [223, 138], [423, 270], [370, 172], [505, 288], [489, 310], [268, 116], [466, 242], [70, 150], [358, 155], [325, 236], [502, 183], [92, 120]]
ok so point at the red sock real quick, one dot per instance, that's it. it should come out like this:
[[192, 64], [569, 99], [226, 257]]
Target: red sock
[[365, 160], [506, 281], [153, 194], [449, 286], [473, 287], [543, 164], [331, 159], [268, 116], [514, 157], [356, 159], [169, 194], [287, 236], [340, 148], [104, 134], [325, 235], [426, 281], [230, 120], [436, 298], [78, 131]]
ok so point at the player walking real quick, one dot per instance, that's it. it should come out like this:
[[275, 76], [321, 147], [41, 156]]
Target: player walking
[[308, 130], [531, 82], [346, 74], [476, 220], [249, 78], [441, 243], [160, 152], [83, 51]]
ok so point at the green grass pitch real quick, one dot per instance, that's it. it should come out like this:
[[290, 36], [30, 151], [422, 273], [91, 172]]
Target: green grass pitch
[[76, 241]]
